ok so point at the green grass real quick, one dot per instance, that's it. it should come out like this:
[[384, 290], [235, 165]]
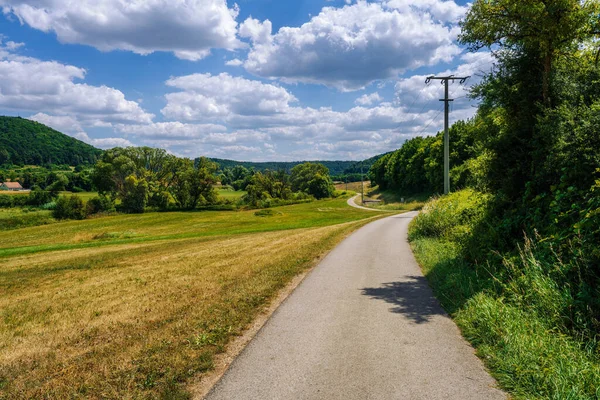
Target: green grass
[[393, 201], [174, 225], [231, 194], [513, 314], [134, 306], [85, 196], [15, 218]]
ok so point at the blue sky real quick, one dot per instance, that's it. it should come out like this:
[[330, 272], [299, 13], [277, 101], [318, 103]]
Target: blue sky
[[249, 80]]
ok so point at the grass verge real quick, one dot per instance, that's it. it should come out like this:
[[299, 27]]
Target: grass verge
[[511, 314]]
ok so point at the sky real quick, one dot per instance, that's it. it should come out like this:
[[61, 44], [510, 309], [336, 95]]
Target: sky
[[253, 80]]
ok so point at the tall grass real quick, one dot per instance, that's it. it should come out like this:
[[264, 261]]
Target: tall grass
[[515, 308]]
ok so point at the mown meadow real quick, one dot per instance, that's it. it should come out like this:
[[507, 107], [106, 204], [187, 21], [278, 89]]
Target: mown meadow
[[133, 306]]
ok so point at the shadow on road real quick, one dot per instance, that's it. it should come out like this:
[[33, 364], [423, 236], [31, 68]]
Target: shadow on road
[[412, 298]]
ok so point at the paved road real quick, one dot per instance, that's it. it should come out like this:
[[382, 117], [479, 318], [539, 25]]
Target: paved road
[[363, 325], [352, 203]]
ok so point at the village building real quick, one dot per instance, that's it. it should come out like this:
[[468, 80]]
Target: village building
[[11, 186]]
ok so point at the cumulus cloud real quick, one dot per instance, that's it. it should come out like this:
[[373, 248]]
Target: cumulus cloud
[[350, 47], [441, 10], [35, 85], [218, 96], [170, 130], [70, 126], [188, 28], [368, 99], [234, 63], [413, 92]]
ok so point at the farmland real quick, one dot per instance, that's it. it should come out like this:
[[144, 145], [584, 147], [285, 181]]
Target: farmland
[[132, 306]]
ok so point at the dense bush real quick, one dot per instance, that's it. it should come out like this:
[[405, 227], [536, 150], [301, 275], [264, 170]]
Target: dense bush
[[71, 207], [312, 179], [451, 217], [417, 167], [39, 197], [99, 204]]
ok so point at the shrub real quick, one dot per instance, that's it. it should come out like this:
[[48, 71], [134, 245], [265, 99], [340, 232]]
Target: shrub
[[39, 197], [71, 207], [6, 201], [451, 217], [99, 204]]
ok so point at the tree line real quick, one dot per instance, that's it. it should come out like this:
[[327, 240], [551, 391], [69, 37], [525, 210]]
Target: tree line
[[135, 179]]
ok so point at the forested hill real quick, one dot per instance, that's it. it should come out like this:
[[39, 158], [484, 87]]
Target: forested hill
[[25, 142], [336, 168]]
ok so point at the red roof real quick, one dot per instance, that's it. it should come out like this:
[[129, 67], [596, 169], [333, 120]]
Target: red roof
[[12, 185]]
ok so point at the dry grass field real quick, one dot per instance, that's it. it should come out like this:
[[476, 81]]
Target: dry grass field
[[133, 306], [353, 186]]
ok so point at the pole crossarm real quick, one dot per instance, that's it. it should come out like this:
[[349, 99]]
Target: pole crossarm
[[444, 80]]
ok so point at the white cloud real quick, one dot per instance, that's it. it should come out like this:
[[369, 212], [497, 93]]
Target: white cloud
[[188, 28], [70, 126], [34, 85], [445, 11], [368, 99], [350, 47], [171, 130], [218, 96], [234, 63]]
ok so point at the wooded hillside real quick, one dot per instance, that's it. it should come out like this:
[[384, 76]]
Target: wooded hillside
[[25, 142]]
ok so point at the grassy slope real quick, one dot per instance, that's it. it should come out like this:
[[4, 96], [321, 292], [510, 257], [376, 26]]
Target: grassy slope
[[520, 344], [131, 306], [14, 218]]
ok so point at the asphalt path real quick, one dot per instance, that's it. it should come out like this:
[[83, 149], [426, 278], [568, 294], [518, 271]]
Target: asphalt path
[[364, 324]]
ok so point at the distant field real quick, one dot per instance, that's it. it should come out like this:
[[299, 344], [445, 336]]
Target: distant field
[[131, 306], [85, 196], [354, 186], [393, 201], [11, 193], [231, 194]]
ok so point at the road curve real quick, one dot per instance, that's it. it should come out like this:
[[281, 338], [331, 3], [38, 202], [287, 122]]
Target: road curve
[[352, 203], [363, 325]]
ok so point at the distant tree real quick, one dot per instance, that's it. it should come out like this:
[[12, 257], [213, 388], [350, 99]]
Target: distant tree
[[268, 185], [194, 184], [135, 195], [312, 179], [4, 156], [57, 182], [71, 207]]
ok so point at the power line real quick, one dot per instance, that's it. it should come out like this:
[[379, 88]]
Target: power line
[[447, 100]]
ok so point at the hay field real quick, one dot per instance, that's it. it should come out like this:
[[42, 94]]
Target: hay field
[[133, 306]]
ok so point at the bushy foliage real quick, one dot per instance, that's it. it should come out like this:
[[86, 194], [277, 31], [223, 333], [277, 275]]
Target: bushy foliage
[[142, 176], [312, 179], [40, 197], [417, 167], [71, 207], [524, 273], [451, 217], [99, 204], [135, 195], [266, 186]]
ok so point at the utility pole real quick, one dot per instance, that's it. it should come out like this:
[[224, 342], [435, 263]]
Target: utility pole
[[362, 185], [446, 100]]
